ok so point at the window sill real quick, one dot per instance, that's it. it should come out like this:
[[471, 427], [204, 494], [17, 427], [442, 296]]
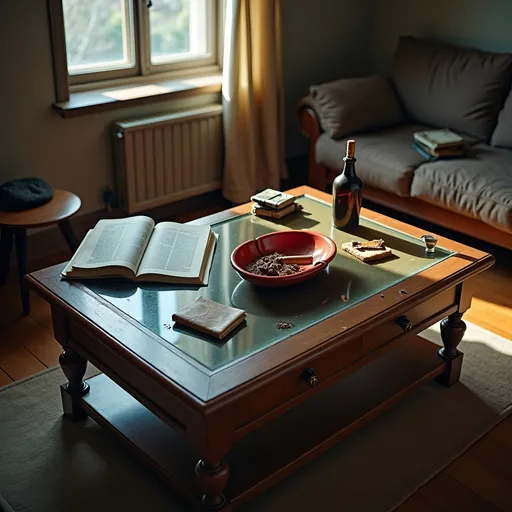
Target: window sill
[[112, 98]]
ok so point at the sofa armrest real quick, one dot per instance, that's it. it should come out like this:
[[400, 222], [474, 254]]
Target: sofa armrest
[[311, 128], [309, 120], [351, 105]]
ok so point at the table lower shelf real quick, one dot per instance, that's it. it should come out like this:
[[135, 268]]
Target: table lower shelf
[[301, 433]]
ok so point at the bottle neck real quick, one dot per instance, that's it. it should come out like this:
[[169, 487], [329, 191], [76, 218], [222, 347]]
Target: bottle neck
[[349, 168]]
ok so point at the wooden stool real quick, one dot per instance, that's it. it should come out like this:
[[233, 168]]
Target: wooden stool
[[14, 225]]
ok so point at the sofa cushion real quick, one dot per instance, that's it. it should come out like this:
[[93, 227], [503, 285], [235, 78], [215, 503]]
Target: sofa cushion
[[448, 87], [479, 186], [385, 158], [356, 104], [4, 506], [502, 135]]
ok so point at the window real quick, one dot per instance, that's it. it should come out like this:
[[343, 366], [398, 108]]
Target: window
[[108, 39]]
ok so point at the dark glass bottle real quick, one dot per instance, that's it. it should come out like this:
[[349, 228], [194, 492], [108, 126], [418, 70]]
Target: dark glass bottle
[[347, 193]]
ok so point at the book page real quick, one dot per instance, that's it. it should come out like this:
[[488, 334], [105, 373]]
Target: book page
[[69, 267], [204, 275], [117, 242], [175, 250]]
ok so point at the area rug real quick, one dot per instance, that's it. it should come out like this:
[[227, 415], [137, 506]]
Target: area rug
[[50, 464]]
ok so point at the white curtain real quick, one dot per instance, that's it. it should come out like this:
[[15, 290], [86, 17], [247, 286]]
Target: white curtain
[[252, 91]]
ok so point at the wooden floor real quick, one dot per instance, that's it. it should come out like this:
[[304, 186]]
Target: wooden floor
[[479, 480]]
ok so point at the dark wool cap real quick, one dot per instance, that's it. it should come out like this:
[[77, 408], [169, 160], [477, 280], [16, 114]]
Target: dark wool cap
[[24, 193]]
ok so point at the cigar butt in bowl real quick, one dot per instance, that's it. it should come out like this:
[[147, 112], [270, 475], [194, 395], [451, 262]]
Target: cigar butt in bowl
[[300, 259]]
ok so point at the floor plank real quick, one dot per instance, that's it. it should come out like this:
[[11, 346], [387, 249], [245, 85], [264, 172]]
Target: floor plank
[[40, 313], [449, 494], [491, 307], [485, 483], [17, 361], [4, 379], [416, 503], [493, 455], [35, 339], [503, 432], [10, 300]]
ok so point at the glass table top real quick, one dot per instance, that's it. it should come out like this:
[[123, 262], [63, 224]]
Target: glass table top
[[303, 305]]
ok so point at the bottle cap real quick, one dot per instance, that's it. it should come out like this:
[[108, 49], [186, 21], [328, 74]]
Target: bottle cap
[[351, 148]]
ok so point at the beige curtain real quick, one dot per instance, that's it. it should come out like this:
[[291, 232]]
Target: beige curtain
[[252, 91]]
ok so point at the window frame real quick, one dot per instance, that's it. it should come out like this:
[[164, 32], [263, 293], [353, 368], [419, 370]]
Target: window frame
[[179, 64], [122, 72], [142, 70]]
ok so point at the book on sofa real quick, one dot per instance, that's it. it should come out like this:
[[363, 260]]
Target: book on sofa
[[438, 139], [432, 155], [437, 144], [135, 248]]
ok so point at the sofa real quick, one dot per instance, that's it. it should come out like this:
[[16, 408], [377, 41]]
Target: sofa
[[431, 85]]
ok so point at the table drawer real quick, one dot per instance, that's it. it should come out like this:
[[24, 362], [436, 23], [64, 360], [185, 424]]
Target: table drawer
[[387, 331], [292, 382]]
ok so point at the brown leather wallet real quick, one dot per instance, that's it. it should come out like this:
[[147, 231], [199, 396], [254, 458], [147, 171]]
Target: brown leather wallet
[[210, 317]]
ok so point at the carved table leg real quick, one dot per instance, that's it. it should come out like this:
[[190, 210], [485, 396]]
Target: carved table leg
[[74, 366], [212, 478], [452, 331]]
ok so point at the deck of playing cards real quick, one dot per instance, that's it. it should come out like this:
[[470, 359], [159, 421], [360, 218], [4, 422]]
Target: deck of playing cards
[[274, 204]]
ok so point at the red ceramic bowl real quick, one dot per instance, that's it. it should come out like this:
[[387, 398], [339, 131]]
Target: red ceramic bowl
[[291, 243]]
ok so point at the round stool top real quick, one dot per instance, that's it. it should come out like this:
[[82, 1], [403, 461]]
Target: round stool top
[[63, 205]]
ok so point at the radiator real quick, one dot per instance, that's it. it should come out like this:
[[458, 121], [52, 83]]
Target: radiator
[[163, 159]]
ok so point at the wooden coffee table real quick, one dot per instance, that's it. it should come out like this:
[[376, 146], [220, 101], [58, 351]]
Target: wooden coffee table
[[351, 353]]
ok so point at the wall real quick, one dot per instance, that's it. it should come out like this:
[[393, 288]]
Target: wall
[[481, 24], [322, 40]]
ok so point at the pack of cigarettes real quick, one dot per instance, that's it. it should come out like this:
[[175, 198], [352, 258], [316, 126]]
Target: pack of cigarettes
[[271, 213], [273, 199]]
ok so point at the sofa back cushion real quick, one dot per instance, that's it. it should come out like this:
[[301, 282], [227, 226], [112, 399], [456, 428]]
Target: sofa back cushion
[[448, 87], [354, 105], [502, 135]]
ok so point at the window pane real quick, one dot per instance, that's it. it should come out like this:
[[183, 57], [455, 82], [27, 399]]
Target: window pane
[[97, 35], [179, 30]]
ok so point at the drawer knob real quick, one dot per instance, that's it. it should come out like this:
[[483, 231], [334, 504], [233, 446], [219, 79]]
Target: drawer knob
[[309, 376], [404, 323]]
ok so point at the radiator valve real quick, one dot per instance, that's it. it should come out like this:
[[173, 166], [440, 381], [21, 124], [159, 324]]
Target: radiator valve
[[109, 198]]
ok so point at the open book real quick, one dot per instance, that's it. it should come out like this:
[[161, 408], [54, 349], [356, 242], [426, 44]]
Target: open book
[[137, 249]]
